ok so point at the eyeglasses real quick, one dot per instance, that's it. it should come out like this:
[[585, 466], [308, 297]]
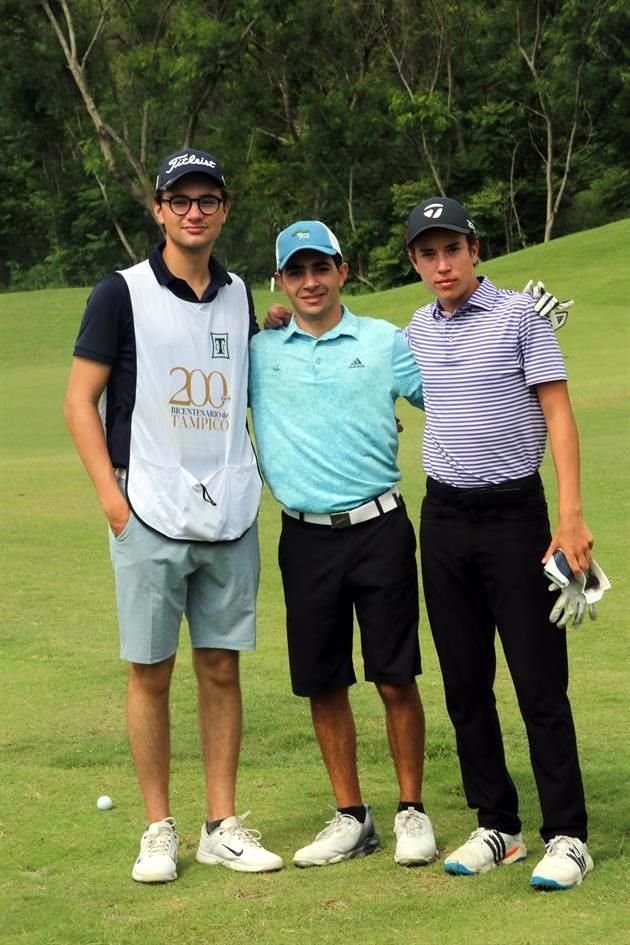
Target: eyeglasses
[[181, 204]]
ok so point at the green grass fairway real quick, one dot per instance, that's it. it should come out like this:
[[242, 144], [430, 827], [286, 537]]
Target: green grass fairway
[[65, 866]]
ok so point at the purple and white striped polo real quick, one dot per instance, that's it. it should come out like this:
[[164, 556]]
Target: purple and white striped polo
[[480, 368]]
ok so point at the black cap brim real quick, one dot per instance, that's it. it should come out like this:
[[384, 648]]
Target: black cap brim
[[438, 226]]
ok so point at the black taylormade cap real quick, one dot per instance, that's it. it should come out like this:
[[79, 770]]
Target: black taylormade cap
[[188, 161], [438, 212]]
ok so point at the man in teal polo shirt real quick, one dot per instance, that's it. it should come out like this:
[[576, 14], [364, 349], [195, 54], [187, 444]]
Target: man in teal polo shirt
[[322, 392]]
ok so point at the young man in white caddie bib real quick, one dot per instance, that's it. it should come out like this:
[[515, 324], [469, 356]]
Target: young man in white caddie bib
[[156, 405]]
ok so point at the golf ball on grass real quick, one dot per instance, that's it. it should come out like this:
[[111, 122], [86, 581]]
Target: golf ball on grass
[[104, 802]]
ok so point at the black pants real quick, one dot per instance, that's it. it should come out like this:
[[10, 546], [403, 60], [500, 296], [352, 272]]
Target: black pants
[[481, 556]]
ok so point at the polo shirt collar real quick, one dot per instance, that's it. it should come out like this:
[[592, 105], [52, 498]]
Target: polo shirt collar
[[482, 299], [347, 325], [219, 277]]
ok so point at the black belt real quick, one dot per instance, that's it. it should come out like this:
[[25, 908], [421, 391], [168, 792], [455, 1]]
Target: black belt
[[503, 493]]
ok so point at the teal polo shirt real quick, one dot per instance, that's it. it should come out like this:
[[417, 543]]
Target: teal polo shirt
[[323, 411]]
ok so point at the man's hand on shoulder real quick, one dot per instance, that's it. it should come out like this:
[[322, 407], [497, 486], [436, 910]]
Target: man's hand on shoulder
[[277, 316]]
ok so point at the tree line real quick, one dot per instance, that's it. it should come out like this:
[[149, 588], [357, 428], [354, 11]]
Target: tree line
[[347, 111]]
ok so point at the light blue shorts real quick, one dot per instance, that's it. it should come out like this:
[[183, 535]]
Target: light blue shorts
[[158, 580]]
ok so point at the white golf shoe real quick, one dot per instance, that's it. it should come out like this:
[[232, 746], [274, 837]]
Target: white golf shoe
[[564, 865], [484, 850], [157, 861], [343, 838], [233, 845], [415, 840]]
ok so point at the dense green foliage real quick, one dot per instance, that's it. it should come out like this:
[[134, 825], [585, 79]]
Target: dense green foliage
[[350, 111]]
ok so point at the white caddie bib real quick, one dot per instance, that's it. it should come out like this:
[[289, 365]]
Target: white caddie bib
[[192, 471]]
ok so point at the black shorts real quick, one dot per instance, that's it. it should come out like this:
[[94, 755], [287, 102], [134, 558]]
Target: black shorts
[[327, 574]]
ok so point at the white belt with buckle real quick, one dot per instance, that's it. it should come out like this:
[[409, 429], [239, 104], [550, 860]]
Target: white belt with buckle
[[387, 502]]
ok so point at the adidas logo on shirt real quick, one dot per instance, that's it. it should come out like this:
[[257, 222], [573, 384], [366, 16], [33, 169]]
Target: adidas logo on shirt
[[356, 363]]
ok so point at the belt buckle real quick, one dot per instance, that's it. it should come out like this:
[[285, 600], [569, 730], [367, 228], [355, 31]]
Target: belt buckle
[[340, 519]]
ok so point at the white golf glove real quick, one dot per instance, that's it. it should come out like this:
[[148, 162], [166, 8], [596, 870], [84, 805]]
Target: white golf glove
[[578, 593], [568, 610], [548, 305]]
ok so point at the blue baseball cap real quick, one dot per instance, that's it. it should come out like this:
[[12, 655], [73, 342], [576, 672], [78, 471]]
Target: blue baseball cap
[[305, 234]]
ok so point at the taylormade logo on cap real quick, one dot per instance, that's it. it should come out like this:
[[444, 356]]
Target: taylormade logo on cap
[[434, 210], [438, 212], [305, 234], [189, 161]]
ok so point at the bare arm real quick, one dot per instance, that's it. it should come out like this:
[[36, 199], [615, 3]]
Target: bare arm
[[87, 382], [572, 533]]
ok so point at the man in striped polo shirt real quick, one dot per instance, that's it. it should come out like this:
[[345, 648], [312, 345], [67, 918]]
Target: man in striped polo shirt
[[494, 388]]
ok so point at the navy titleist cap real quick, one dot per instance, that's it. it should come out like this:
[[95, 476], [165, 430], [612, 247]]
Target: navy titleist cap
[[188, 161], [305, 234], [438, 212]]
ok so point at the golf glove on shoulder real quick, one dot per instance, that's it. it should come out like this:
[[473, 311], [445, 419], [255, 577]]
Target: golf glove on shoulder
[[548, 305]]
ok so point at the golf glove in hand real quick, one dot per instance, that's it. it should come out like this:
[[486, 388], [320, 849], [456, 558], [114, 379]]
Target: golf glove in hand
[[577, 592], [548, 305], [569, 609]]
